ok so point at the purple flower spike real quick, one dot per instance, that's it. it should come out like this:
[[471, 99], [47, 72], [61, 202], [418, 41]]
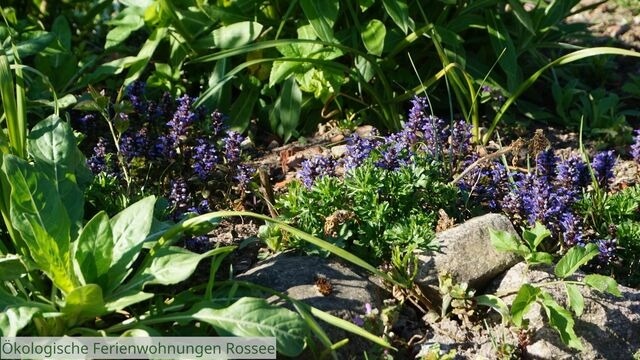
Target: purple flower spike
[[602, 165], [232, 147], [204, 158], [635, 148], [314, 168]]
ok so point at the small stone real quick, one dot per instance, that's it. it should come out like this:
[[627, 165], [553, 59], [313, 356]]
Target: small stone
[[467, 254]]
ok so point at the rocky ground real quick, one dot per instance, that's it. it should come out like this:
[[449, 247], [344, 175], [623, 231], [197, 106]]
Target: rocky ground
[[605, 317]]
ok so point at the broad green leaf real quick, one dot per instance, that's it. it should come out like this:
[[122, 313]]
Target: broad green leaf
[[535, 235], [256, 317], [495, 303], [237, 34], [126, 300], [561, 320], [399, 12], [127, 21], [242, 109], [53, 147], [83, 303], [130, 227], [33, 46], [322, 16], [574, 258], [365, 68], [13, 319], [171, 265], [373, 36], [37, 212], [603, 284], [527, 296], [538, 257], [11, 267], [94, 248], [505, 241], [287, 108], [220, 98], [139, 63], [575, 298], [56, 264]]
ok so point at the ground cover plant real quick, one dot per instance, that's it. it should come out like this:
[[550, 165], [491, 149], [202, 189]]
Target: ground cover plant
[[159, 122]]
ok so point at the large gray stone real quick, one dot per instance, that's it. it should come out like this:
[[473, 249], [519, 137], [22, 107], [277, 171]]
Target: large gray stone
[[296, 277], [467, 254], [609, 328]]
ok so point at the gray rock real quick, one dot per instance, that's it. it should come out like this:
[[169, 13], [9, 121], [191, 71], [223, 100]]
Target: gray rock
[[609, 328], [467, 254], [296, 277]]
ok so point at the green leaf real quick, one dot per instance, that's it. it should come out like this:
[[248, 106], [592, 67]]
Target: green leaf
[[139, 63], [508, 59], [322, 16], [130, 227], [535, 235], [126, 300], [527, 296], [33, 46], [373, 36], [399, 12], [495, 303], [127, 21], [505, 241], [11, 267], [37, 212], [172, 265], [574, 258], [13, 319], [603, 284], [538, 257], [236, 34], [561, 320], [249, 317], [53, 146], [571, 57], [574, 298], [365, 4], [94, 249], [286, 110], [242, 109], [522, 15], [83, 303]]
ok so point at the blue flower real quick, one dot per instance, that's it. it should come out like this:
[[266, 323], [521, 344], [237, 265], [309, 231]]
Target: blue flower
[[316, 167], [359, 148], [179, 197], [135, 93], [546, 163], [607, 248], [571, 230], [244, 173], [635, 148], [181, 121], [394, 152], [204, 158], [98, 161], [232, 147], [602, 165]]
